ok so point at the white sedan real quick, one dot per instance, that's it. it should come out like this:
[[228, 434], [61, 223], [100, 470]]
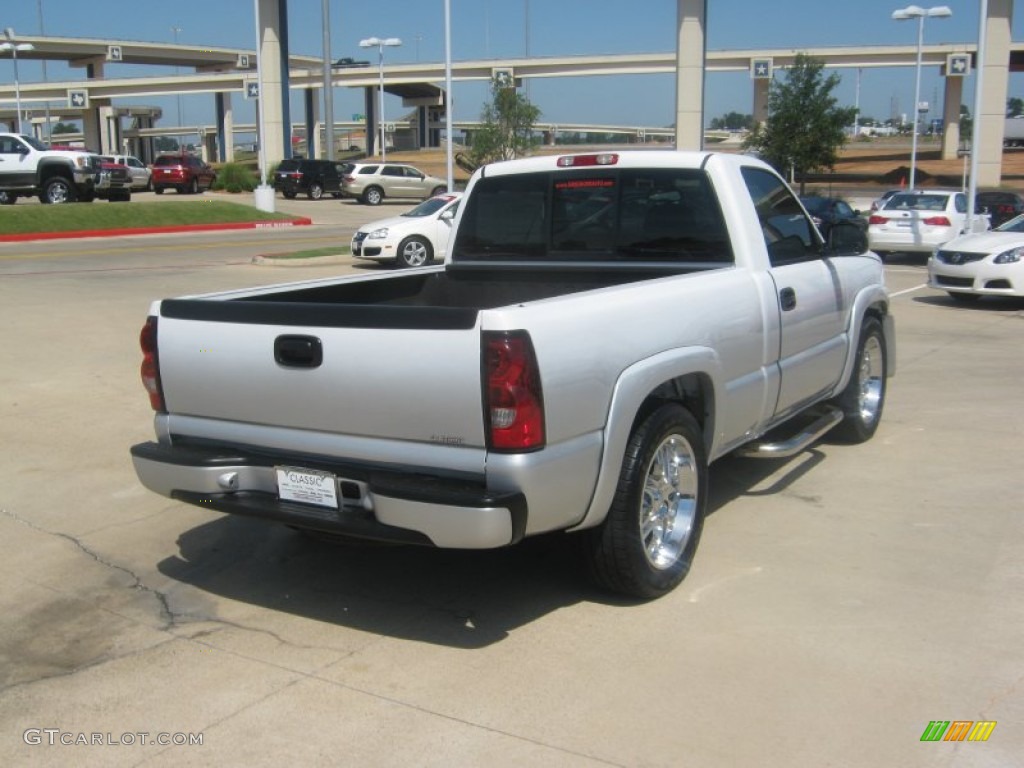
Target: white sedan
[[983, 264], [413, 239], [920, 221]]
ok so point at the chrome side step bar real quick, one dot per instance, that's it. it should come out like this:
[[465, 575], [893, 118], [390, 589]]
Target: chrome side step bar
[[830, 417]]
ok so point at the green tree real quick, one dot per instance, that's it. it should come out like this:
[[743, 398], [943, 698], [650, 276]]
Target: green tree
[[165, 144], [1014, 107], [805, 127], [507, 131], [60, 128]]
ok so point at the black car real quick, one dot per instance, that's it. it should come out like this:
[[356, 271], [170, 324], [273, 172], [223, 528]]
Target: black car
[[827, 211], [1000, 206], [313, 177]]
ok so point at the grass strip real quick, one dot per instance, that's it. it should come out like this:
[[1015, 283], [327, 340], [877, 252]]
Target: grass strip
[[310, 253], [75, 217]]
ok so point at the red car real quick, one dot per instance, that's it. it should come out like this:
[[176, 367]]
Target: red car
[[185, 173]]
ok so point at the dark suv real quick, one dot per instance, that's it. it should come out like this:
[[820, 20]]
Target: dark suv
[[314, 177], [186, 173]]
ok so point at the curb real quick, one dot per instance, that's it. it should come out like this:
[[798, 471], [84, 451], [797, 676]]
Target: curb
[[272, 261], [272, 224]]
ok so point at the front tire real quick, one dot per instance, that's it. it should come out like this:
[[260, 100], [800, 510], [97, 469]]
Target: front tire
[[645, 546], [193, 187], [57, 190], [315, 191], [8, 198], [414, 252], [373, 196], [864, 397]]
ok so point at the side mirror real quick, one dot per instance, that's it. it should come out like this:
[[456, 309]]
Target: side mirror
[[846, 239], [448, 216]]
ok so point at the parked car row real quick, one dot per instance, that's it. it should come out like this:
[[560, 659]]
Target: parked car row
[[370, 183]]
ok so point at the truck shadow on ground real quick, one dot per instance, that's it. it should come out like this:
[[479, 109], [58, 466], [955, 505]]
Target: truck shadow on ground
[[460, 599]]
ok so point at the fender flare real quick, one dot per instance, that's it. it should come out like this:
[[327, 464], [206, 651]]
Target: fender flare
[[873, 300], [632, 389]]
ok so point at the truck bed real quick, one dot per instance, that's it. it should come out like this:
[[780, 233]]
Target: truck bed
[[441, 299]]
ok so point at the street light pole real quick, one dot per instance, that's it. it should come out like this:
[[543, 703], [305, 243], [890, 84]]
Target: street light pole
[[379, 43], [919, 13], [13, 47]]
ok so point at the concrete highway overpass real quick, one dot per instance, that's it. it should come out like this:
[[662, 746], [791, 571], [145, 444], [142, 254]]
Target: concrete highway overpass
[[226, 72]]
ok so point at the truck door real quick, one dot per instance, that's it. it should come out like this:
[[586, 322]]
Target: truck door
[[812, 347]]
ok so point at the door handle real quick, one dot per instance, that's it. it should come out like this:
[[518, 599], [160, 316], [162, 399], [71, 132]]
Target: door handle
[[298, 351], [787, 299]]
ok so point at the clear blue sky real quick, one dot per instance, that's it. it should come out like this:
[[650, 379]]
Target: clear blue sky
[[495, 28]]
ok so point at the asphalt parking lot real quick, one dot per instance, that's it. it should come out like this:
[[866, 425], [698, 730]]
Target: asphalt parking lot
[[841, 600]]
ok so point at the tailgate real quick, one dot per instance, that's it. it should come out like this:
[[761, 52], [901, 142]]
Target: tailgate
[[399, 373]]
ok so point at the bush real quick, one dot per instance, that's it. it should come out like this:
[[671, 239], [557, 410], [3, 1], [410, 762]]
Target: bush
[[235, 178]]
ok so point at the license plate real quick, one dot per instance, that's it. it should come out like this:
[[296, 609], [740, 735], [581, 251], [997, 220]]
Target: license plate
[[307, 486]]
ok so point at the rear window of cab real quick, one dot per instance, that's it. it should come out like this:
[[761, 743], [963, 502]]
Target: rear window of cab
[[604, 214]]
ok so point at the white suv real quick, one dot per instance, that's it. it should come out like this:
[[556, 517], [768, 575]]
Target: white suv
[[372, 182]]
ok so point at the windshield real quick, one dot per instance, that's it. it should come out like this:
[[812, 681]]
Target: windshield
[[606, 214], [1016, 224], [427, 207], [911, 201], [33, 142]]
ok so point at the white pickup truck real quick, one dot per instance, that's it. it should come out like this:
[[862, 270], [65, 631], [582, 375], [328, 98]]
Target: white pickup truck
[[603, 327]]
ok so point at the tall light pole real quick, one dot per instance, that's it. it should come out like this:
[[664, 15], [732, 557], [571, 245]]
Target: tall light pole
[[328, 87], [919, 13], [448, 93], [379, 43], [14, 47]]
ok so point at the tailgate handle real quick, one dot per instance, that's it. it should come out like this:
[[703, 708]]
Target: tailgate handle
[[298, 351]]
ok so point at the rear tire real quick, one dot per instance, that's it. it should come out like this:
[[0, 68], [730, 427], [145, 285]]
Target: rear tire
[[193, 187], [158, 190], [7, 198], [289, 194], [646, 544], [864, 397], [373, 196], [438, 191]]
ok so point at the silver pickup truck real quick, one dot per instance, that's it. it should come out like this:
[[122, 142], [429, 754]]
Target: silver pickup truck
[[604, 326]]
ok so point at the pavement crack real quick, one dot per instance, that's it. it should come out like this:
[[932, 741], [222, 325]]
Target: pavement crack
[[168, 616]]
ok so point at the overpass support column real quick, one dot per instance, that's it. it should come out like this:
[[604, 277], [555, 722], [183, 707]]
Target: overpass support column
[[274, 92], [989, 124], [951, 117], [225, 127], [690, 18], [761, 88]]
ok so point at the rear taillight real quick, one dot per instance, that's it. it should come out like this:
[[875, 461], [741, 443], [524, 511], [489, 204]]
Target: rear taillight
[[348, 179], [512, 393], [937, 221], [877, 220], [151, 365]]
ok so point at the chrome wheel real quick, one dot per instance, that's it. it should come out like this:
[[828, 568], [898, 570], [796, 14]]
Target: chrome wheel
[[870, 381], [647, 542], [668, 506]]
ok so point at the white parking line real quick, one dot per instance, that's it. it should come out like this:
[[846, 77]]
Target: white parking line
[[908, 290]]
